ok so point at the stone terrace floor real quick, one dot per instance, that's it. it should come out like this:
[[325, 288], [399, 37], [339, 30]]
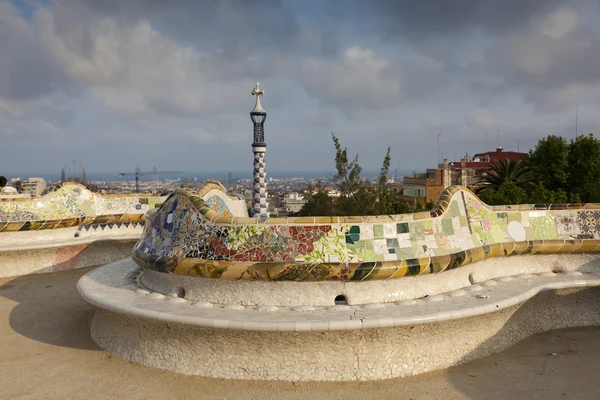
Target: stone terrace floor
[[46, 353]]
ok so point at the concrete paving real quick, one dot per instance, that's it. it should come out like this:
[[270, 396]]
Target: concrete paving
[[46, 352]]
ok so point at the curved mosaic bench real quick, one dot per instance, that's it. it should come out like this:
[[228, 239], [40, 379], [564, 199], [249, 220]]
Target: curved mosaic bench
[[74, 227], [71, 227], [74, 205], [318, 299], [186, 237]]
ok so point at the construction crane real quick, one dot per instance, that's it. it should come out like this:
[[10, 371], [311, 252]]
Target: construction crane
[[138, 173]]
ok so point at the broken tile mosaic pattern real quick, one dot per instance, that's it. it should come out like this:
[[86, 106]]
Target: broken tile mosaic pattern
[[188, 237], [73, 205]]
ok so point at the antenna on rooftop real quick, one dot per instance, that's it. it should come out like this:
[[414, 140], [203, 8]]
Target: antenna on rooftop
[[498, 138], [400, 164], [486, 148], [438, 148]]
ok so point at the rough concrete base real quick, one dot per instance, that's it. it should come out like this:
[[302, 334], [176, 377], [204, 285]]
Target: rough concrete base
[[339, 355], [62, 257]]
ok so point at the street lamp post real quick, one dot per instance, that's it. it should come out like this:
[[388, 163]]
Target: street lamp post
[[260, 207]]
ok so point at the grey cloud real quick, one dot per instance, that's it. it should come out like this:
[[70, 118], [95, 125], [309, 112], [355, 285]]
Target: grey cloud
[[417, 20], [360, 78], [26, 72], [555, 63], [172, 79], [235, 26], [538, 60]]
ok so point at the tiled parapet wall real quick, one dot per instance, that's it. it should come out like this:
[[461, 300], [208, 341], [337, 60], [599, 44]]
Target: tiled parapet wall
[[186, 237], [74, 205]]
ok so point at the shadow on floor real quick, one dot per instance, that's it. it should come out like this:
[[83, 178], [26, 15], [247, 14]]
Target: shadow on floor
[[49, 308], [559, 364]]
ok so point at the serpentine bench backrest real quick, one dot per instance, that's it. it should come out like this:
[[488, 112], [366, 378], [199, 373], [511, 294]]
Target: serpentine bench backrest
[[72, 205], [188, 237]]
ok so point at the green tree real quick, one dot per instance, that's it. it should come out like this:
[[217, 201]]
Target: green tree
[[419, 206], [540, 195], [318, 204], [549, 162], [401, 207], [348, 172], [384, 196], [357, 196], [584, 169], [362, 202], [507, 193], [505, 170]]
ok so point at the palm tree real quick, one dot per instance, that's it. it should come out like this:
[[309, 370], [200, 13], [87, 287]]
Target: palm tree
[[504, 170]]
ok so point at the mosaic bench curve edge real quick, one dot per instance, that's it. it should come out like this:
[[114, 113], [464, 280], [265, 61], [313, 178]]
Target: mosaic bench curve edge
[[186, 237], [74, 205]]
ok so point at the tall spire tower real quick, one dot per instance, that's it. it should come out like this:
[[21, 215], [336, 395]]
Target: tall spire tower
[[260, 207]]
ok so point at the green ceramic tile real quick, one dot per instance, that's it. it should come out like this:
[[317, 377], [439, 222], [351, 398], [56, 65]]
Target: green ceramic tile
[[353, 235], [447, 226], [498, 221], [463, 221], [454, 209], [392, 243], [378, 231], [416, 230], [476, 241], [543, 228], [415, 246], [487, 236], [361, 244], [498, 234], [402, 227], [367, 255], [405, 252]]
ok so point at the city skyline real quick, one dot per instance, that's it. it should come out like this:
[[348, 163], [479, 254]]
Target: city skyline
[[120, 84]]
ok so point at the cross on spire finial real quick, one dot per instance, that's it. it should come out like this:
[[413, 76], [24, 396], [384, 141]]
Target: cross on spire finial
[[257, 91]]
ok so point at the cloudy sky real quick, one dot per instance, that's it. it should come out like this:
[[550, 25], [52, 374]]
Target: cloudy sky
[[118, 83]]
